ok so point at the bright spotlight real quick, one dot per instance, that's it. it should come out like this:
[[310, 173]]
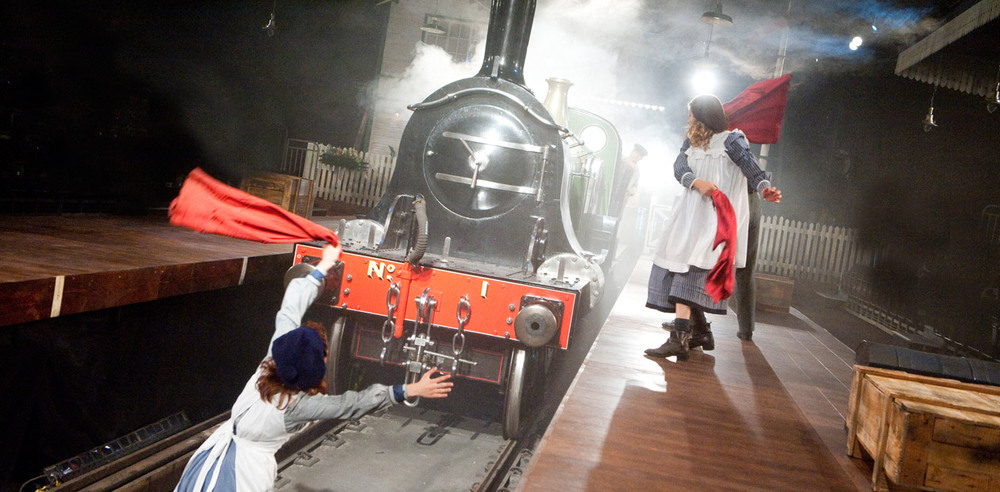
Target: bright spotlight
[[855, 43], [874, 27], [703, 82]]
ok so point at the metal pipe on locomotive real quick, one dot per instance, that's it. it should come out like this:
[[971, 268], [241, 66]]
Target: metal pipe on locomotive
[[493, 238]]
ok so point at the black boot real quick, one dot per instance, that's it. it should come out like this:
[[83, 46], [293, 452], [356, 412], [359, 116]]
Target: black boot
[[677, 344], [701, 336], [701, 332]]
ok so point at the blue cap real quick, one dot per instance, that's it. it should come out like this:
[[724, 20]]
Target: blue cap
[[299, 356]]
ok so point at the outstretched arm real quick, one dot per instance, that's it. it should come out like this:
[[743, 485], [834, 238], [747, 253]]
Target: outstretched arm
[[354, 404], [760, 180], [738, 149], [301, 293]]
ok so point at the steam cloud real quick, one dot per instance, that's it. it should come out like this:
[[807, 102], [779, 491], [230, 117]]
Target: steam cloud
[[621, 49]]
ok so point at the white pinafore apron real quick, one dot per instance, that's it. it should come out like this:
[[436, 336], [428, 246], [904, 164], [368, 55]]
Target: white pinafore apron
[[260, 431], [689, 233]]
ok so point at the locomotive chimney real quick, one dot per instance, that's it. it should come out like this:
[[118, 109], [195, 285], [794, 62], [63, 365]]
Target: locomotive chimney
[[507, 40], [556, 101]]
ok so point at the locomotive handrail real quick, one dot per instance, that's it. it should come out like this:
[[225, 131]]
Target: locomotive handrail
[[477, 90], [420, 211]]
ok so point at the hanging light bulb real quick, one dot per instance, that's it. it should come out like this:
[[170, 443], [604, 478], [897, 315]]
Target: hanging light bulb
[[929, 123], [271, 26], [432, 26], [715, 18]]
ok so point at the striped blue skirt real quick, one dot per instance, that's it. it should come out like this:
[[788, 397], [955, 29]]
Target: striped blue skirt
[[227, 474], [667, 289]]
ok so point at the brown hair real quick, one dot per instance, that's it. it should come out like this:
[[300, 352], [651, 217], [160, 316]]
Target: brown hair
[[699, 135], [269, 384]]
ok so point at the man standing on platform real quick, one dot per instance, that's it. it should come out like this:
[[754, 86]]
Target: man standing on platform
[[758, 110], [744, 298], [630, 227]]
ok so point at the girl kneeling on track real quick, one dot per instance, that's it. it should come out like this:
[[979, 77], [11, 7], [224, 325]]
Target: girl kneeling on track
[[287, 391]]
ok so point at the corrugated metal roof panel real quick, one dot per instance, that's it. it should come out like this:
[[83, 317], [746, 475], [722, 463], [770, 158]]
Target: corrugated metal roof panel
[[949, 58]]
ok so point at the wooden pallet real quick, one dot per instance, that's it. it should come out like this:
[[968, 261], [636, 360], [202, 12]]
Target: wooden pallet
[[925, 432]]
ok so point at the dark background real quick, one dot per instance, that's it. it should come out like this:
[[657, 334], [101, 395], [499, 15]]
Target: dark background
[[117, 101], [121, 98]]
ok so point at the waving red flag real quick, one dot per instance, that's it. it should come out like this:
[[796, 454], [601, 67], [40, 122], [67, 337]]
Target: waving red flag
[[210, 206], [758, 110]]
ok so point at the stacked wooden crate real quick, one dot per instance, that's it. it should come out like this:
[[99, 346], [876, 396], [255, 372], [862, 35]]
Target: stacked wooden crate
[[291, 193], [925, 432], [774, 293]]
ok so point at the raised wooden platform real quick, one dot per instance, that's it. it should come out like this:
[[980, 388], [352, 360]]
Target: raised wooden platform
[[55, 265], [762, 415]]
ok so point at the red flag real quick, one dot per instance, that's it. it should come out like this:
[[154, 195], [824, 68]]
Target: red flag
[[758, 110], [722, 277], [210, 206]]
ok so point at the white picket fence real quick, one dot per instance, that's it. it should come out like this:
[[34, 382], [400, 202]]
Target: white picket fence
[[362, 188], [808, 251]]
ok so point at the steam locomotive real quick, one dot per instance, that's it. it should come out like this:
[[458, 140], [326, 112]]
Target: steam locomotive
[[494, 238]]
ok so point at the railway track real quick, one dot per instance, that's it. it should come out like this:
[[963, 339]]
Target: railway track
[[403, 449]]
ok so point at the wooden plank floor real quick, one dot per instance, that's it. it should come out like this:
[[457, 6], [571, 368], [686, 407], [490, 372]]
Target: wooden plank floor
[[53, 265], [761, 415]]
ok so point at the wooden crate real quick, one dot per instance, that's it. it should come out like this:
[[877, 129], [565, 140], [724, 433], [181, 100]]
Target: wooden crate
[[774, 293], [291, 193], [925, 432]]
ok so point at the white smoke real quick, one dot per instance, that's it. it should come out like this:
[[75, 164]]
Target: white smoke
[[431, 69], [580, 42]]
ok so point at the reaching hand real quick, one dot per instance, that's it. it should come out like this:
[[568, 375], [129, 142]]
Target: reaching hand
[[771, 194], [331, 254], [430, 387]]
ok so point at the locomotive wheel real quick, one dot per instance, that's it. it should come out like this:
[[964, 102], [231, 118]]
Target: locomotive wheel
[[524, 388], [335, 344], [513, 403]]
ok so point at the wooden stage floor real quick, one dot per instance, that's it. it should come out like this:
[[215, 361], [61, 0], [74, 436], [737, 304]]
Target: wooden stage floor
[[761, 415], [56, 265]]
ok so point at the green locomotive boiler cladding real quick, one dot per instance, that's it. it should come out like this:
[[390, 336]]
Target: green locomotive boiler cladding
[[594, 149]]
